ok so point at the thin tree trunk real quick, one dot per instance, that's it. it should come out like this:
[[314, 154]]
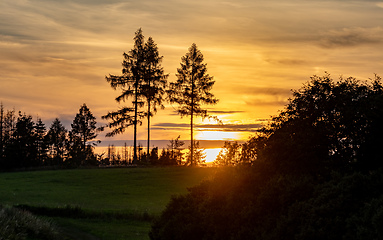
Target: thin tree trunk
[[191, 123], [135, 124], [147, 156], [191, 139], [149, 100]]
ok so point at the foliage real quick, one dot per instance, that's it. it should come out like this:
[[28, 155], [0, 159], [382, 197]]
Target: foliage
[[316, 173], [155, 82], [142, 78], [175, 150], [169, 156], [130, 83], [83, 131], [84, 125], [198, 157], [229, 154], [56, 138], [326, 126]]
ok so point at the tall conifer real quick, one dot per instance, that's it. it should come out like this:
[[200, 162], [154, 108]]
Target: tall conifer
[[192, 89]]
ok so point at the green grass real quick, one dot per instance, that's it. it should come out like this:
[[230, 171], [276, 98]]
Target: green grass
[[126, 191]]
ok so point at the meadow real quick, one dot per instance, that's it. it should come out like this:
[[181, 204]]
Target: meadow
[[110, 203]]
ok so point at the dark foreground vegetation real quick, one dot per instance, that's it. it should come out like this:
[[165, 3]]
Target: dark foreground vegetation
[[315, 172]]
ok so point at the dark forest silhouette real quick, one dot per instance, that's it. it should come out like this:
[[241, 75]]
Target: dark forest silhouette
[[26, 144]]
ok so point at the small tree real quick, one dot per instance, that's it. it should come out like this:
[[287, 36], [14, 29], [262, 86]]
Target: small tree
[[192, 88], [8, 129], [175, 150], [230, 154], [196, 154], [41, 143], [154, 156], [23, 149], [84, 128], [56, 138]]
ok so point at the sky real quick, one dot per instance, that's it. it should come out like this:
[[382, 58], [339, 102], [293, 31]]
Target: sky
[[55, 54]]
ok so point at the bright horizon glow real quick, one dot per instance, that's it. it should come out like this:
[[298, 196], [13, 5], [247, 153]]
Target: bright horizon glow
[[216, 135], [211, 154]]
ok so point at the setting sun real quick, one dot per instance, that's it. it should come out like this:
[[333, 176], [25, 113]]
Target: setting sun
[[211, 154], [216, 135]]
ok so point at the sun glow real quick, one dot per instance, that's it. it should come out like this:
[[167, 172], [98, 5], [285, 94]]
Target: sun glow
[[211, 154]]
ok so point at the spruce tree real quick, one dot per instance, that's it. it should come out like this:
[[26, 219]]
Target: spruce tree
[[130, 83], [142, 80], [84, 129], [57, 137], [155, 82], [192, 89]]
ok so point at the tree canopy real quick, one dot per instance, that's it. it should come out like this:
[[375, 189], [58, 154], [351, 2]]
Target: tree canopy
[[328, 125]]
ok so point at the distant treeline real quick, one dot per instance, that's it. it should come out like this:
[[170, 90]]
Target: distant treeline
[[315, 172], [25, 143]]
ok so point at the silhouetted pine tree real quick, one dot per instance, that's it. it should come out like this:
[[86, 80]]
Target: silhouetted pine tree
[[130, 83], [23, 149], [196, 154], [84, 128], [41, 143], [155, 82], [175, 150], [192, 88], [56, 140]]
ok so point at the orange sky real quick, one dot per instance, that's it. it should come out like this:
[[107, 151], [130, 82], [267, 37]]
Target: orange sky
[[54, 55]]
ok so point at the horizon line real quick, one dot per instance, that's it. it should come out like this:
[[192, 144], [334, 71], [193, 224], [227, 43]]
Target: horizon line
[[164, 143]]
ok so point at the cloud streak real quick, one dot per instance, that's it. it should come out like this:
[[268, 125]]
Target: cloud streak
[[211, 127], [351, 37]]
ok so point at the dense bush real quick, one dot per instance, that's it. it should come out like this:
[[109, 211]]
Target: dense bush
[[317, 173], [247, 204]]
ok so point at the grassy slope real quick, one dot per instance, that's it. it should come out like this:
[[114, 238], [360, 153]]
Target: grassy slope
[[102, 190]]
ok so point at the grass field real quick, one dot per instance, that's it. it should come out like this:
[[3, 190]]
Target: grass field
[[135, 192]]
